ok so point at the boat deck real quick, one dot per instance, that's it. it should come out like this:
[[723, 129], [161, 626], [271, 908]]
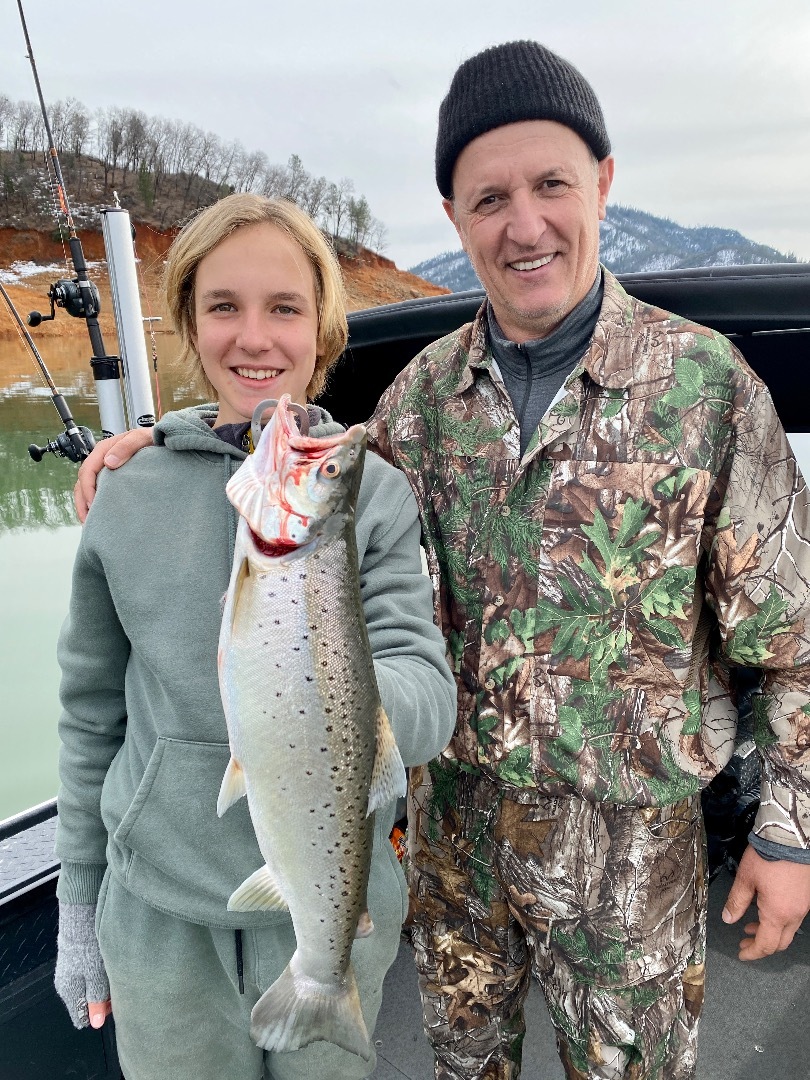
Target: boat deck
[[755, 1026]]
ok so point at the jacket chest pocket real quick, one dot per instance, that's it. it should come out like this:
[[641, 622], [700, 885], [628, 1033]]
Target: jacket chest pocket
[[617, 585]]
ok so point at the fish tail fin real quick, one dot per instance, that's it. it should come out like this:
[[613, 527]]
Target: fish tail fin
[[297, 1010]]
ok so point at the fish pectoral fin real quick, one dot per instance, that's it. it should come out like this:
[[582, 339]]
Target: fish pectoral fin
[[388, 779], [232, 788], [259, 892], [364, 926], [246, 492]]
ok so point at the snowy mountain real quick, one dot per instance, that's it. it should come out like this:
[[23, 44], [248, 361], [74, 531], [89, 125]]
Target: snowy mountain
[[630, 241]]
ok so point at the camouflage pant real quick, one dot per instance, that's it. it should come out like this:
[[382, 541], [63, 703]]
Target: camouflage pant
[[604, 905]]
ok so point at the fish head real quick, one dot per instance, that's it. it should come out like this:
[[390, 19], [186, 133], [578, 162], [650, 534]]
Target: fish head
[[294, 489]]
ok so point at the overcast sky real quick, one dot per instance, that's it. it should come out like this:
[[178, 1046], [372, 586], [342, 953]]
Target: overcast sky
[[707, 102]]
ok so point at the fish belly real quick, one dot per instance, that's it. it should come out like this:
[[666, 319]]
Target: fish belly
[[301, 702]]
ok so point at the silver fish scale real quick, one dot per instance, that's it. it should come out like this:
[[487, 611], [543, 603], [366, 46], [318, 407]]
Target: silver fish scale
[[304, 700]]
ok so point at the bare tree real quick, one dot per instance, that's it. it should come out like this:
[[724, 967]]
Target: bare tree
[[78, 127], [110, 140], [378, 240], [335, 209], [24, 128], [249, 170], [7, 109]]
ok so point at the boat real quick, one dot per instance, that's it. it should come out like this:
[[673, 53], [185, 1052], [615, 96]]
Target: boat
[[764, 309]]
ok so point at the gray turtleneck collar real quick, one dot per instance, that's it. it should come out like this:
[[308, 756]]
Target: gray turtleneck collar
[[534, 371]]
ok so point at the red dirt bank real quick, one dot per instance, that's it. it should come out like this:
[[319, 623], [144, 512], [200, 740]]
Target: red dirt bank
[[371, 280]]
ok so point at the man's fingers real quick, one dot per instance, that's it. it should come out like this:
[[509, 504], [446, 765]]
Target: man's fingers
[[109, 453], [738, 901], [764, 939]]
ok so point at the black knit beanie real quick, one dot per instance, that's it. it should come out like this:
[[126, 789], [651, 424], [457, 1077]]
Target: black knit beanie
[[521, 80]]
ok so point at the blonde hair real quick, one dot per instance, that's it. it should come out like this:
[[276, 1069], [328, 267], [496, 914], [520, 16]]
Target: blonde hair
[[213, 224]]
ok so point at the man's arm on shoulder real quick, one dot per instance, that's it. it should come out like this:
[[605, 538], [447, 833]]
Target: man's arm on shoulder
[[110, 454]]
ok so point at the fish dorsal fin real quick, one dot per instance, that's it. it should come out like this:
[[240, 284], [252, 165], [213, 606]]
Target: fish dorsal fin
[[232, 788], [388, 779], [259, 892]]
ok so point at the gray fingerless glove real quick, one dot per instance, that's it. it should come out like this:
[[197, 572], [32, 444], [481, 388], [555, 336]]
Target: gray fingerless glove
[[80, 975]]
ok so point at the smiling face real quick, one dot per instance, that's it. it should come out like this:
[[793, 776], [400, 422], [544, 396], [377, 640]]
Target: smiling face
[[255, 320], [527, 202]]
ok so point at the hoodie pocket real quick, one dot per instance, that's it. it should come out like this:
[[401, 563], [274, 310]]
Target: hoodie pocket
[[172, 822]]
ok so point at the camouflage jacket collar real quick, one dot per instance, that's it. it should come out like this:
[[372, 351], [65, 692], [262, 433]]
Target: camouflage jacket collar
[[609, 360]]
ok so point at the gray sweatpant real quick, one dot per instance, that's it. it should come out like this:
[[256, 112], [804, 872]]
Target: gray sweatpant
[[176, 1002]]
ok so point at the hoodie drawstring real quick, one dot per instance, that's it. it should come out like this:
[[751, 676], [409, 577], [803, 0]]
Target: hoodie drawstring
[[240, 967]]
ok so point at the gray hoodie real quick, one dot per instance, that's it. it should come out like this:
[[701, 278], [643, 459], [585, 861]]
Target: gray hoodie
[[144, 742]]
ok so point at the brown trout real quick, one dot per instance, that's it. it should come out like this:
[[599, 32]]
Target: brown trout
[[311, 746]]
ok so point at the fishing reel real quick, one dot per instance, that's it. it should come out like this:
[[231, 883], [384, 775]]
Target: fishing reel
[[74, 445], [71, 297]]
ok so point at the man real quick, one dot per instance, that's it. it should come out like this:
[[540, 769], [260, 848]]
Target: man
[[613, 521]]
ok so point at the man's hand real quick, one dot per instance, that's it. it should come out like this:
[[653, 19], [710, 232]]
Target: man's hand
[[781, 890], [109, 453]]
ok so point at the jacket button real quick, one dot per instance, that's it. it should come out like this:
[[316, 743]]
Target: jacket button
[[489, 684], [506, 511], [497, 600]]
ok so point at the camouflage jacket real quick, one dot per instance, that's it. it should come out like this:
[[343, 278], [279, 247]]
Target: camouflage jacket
[[596, 594]]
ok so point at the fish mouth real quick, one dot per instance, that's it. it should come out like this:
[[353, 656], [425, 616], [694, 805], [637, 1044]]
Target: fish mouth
[[307, 444], [273, 549]]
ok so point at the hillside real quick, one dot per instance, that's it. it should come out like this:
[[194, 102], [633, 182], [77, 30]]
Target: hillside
[[631, 241], [32, 254], [30, 260]]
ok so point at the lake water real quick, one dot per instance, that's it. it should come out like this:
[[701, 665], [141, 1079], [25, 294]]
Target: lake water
[[38, 538]]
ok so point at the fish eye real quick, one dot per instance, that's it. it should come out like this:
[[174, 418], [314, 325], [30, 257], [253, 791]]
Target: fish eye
[[331, 469]]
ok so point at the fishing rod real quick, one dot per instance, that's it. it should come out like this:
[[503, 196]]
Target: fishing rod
[[80, 298], [74, 442]]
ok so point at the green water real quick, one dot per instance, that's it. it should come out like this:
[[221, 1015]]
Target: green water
[[38, 537]]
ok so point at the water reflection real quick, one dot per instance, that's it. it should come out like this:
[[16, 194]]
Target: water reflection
[[37, 495]]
